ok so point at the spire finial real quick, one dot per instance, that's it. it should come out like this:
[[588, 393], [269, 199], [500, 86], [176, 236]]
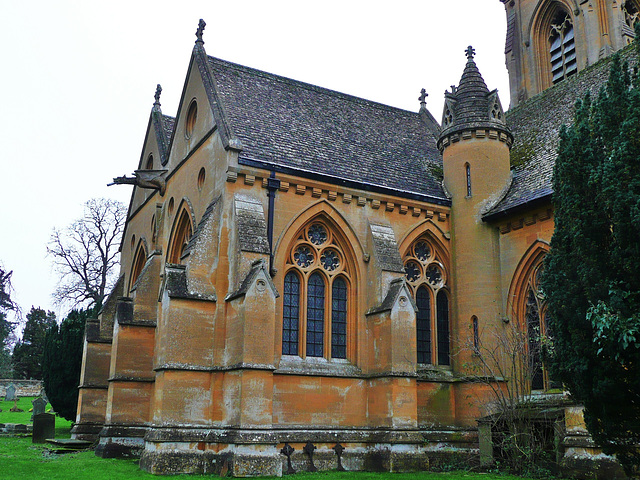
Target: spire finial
[[157, 95], [423, 97], [470, 52], [201, 25]]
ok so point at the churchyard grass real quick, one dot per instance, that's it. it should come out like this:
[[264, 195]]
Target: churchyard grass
[[21, 460]]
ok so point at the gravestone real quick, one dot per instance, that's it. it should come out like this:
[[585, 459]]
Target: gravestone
[[11, 394], [44, 427], [39, 404], [43, 394]]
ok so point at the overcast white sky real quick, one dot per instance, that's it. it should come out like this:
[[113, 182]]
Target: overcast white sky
[[78, 77]]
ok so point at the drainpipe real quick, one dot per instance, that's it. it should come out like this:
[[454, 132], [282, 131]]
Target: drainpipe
[[273, 184]]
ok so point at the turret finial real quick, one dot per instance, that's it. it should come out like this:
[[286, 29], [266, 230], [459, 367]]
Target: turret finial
[[423, 97], [470, 52], [201, 25], [157, 95]]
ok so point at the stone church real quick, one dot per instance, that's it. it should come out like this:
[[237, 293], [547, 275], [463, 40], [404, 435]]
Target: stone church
[[307, 276]]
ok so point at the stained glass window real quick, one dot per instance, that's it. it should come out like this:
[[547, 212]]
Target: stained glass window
[[315, 316], [317, 234], [434, 275], [423, 325], [318, 266], [290, 314], [303, 256], [442, 306], [422, 251], [330, 260], [412, 271], [339, 319]]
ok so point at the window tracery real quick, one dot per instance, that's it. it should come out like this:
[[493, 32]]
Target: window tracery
[[316, 303], [630, 14], [427, 278], [535, 322]]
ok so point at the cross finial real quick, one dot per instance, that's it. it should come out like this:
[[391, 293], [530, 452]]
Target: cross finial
[[157, 95], [201, 25], [423, 97], [470, 52]]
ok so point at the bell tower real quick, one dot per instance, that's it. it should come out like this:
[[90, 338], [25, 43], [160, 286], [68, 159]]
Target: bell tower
[[548, 41]]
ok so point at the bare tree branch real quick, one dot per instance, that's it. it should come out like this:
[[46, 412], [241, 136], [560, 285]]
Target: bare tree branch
[[86, 255]]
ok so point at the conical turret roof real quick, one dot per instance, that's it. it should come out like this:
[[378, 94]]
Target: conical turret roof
[[471, 105]]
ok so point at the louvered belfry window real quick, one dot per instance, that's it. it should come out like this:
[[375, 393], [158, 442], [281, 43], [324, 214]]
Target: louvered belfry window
[[563, 49]]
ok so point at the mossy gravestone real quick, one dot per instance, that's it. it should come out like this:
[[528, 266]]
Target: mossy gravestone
[[44, 427], [39, 404]]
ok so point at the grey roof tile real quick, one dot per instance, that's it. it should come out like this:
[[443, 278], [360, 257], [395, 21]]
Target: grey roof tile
[[287, 123], [536, 125]]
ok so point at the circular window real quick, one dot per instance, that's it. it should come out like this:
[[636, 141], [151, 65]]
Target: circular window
[[303, 256], [412, 271], [330, 260], [422, 251], [192, 115], [201, 177], [434, 275], [317, 234], [149, 165], [170, 206]]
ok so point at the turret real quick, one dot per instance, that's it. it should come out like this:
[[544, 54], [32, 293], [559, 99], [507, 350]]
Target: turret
[[474, 142]]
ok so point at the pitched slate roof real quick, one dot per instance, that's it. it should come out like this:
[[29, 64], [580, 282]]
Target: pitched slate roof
[[287, 124], [535, 125]]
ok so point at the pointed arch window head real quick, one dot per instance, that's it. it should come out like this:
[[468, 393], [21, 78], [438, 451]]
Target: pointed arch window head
[[427, 278], [562, 48], [139, 259], [631, 15], [317, 311], [181, 236]]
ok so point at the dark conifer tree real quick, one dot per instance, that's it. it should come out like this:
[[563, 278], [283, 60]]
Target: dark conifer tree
[[63, 360], [27, 354], [592, 273]]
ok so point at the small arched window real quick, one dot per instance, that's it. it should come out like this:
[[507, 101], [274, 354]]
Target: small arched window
[[427, 277], [149, 165], [476, 335], [468, 175], [562, 47], [139, 260], [316, 301], [181, 235]]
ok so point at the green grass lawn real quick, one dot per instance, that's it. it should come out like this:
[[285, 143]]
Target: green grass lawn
[[21, 460]]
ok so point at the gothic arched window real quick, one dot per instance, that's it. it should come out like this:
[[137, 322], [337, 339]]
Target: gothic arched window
[[316, 300], [181, 235], [631, 14], [139, 260], [536, 326], [562, 47], [427, 277]]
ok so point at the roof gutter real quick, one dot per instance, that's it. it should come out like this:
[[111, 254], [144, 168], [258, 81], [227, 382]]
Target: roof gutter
[[536, 202]]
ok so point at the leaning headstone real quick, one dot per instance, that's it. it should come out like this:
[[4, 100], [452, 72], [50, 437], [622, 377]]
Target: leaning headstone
[[39, 404], [44, 427], [11, 394]]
